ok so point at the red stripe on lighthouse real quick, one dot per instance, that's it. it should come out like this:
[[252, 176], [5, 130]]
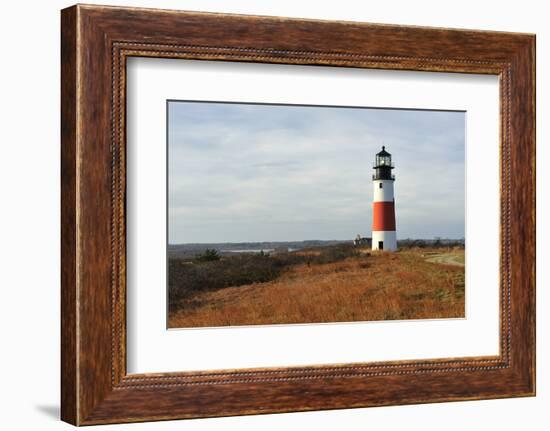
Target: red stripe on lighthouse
[[383, 216]]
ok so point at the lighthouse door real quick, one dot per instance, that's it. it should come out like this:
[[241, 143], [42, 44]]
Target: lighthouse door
[[380, 245]]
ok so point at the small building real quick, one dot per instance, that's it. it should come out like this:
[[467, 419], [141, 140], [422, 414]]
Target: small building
[[360, 241]]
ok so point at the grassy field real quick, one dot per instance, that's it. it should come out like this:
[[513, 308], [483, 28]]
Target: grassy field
[[329, 284]]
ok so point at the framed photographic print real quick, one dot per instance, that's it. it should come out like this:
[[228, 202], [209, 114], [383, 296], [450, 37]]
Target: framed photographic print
[[264, 214], [264, 202]]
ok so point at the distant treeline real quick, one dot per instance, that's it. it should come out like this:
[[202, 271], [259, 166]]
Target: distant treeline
[[193, 249], [436, 242], [228, 248]]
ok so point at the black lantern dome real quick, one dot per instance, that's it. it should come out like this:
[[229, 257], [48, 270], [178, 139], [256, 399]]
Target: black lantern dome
[[383, 166]]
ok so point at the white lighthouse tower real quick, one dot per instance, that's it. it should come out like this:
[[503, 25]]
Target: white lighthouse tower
[[383, 206]]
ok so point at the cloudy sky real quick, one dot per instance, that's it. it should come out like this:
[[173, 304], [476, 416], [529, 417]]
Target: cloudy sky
[[247, 173]]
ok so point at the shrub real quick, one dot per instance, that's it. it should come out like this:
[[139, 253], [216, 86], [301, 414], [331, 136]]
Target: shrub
[[335, 253], [209, 255], [209, 271]]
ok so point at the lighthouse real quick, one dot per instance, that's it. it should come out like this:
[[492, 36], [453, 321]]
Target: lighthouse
[[383, 205]]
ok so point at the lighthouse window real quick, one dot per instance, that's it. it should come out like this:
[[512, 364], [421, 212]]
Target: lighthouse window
[[380, 185]]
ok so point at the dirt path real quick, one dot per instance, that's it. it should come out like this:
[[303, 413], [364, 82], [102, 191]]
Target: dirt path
[[445, 258]]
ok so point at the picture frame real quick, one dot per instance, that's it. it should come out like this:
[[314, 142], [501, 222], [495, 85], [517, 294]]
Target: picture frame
[[96, 41]]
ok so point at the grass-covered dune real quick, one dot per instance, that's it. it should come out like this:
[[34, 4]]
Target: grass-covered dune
[[327, 284]]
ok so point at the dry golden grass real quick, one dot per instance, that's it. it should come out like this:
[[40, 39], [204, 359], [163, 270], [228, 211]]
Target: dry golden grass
[[375, 286]]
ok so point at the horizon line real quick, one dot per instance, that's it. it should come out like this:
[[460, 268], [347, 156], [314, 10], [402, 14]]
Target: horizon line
[[322, 240]]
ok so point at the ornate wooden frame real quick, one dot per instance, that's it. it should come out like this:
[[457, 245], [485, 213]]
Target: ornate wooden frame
[[96, 41]]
